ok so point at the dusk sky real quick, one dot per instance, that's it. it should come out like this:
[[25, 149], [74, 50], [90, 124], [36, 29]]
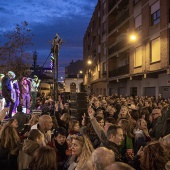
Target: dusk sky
[[68, 18]]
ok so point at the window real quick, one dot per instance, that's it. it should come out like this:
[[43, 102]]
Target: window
[[104, 46], [155, 50], [104, 8], [155, 17], [138, 57], [104, 68], [138, 22], [104, 28], [155, 13]]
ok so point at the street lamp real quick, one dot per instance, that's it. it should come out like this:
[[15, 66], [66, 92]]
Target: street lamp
[[89, 62], [133, 37]]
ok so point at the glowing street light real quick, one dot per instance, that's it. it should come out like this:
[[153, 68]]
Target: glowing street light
[[133, 37], [80, 71], [89, 62]]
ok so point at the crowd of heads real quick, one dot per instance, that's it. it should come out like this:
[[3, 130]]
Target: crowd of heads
[[116, 133]]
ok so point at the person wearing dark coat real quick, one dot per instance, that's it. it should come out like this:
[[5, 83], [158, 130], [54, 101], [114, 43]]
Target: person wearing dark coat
[[6, 91], [59, 143], [21, 118], [113, 138]]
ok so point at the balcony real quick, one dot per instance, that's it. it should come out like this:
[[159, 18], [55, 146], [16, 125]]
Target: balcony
[[117, 47], [119, 20], [119, 71], [111, 4]]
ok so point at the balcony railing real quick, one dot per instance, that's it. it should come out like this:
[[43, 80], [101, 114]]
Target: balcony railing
[[111, 4], [119, 71], [117, 47], [119, 20]]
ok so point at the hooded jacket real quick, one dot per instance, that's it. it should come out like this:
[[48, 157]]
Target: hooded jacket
[[25, 155]]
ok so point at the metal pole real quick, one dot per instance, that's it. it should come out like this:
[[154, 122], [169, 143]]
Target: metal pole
[[56, 72], [57, 41]]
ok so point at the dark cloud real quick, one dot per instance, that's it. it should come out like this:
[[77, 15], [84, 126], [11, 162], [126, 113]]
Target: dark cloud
[[68, 18]]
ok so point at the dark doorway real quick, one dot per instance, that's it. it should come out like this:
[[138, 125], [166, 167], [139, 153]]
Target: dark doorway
[[72, 87], [133, 91]]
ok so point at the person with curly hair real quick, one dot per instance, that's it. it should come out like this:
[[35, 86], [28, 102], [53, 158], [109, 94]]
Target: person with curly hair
[[154, 156], [81, 152]]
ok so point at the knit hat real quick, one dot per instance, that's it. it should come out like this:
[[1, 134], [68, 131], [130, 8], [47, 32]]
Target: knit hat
[[35, 76], [12, 74]]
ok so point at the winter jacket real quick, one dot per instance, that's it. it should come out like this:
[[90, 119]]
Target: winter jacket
[[104, 140], [25, 155]]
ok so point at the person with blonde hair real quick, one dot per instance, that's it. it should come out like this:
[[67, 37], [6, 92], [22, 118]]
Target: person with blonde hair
[[165, 141], [82, 149], [124, 113], [9, 147]]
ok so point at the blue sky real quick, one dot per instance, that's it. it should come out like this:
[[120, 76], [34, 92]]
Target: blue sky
[[68, 18]]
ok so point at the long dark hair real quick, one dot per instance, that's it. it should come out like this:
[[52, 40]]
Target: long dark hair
[[44, 158]]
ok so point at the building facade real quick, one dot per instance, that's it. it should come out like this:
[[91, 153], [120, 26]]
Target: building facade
[[74, 76], [137, 66]]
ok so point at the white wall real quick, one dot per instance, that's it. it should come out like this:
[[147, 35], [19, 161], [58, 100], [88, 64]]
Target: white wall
[[77, 81]]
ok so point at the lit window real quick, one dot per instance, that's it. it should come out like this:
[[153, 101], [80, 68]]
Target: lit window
[[155, 50]]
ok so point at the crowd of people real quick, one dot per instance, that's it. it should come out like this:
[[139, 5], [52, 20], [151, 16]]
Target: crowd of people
[[116, 133]]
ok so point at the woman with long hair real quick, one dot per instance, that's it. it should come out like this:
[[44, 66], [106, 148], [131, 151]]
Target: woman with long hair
[[82, 149], [124, 113], [27, 127], [74, 127], [127, 144], [141, 134], [154, 157], [44, 158], [10, 146]]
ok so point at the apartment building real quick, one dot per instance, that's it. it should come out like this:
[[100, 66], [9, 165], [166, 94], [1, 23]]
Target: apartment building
[[138, 66]]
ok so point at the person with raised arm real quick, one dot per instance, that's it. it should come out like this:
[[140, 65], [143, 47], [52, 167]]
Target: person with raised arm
[[113, 138]]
